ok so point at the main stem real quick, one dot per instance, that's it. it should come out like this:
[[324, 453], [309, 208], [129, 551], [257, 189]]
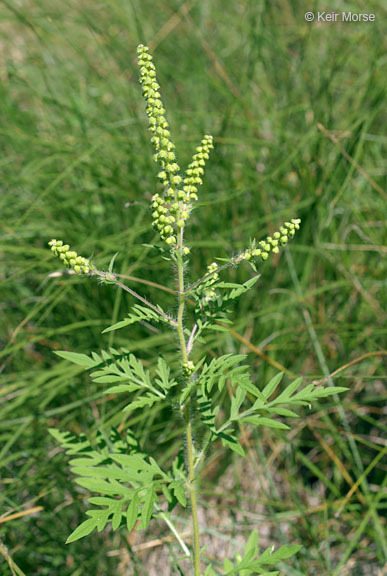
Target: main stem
[[188, 423]]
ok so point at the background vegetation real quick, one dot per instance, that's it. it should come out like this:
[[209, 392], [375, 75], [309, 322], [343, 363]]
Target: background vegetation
[[296, 112]]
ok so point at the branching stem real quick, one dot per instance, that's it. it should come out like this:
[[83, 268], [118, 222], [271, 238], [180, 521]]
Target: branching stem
[[114, 280], [232, 262]]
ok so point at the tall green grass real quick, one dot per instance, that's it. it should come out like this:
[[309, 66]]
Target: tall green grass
[[76, 163]]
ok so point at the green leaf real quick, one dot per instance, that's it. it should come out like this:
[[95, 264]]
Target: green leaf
[[132, 461], [164, 381], [132, 512], [96, 485], [286, 552], [232, 443], [79, 359], [83, 530], [236, 402], [280, 411], [117, 516], [220, 369], [147, 509], [324, 392], [111, 264], [148, 400], [252, 543], [261, 421], [217, 328], [178, 490], [129, 375], [187, 391], [138, 314], [289, 390], [238, 291], [272, 385], [270, 557], [118, 389], [117, 326], [107, 379]]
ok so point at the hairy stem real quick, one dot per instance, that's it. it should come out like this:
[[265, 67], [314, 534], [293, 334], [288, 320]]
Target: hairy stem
[[113, 280], [187, 417], [192, 491]]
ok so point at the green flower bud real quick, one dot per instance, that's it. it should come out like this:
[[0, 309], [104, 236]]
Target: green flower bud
[[188, 368]]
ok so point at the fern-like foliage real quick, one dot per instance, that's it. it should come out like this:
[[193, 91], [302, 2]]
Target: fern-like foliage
[[253, 561], [128, 482], [264, 410], [215, 308], [138, 314], [129, 375]]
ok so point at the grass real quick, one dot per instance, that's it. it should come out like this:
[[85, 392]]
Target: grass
[[296, 112]]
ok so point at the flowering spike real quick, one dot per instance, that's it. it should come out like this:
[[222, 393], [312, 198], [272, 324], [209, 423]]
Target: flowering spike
[[171, 210], [155, 111], [271, 243], [79, 264], [196, 168]]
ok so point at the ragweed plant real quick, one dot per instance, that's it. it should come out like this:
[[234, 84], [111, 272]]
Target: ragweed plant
[[131, 485]]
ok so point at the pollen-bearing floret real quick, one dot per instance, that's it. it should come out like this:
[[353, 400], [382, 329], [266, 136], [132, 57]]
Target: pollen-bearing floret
[[272, 243], [79, 264], [170, 210]]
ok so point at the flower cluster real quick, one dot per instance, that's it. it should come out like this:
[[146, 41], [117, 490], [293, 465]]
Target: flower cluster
[[196, 169], [206, 288], [163, 218], [79, 264], [171, 210], [272, 243], [158, 124], [188, 368]]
